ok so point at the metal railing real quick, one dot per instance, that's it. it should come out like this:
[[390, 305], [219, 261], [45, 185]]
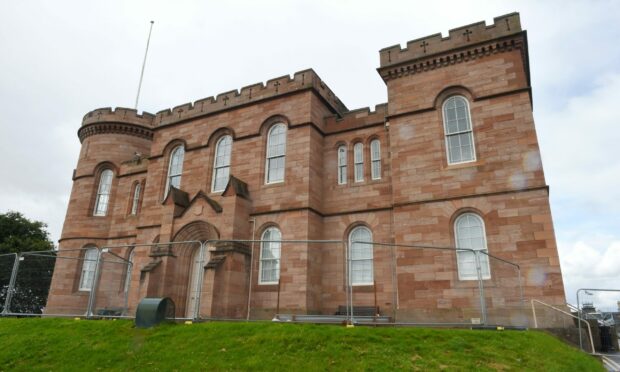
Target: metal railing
[[579, 308], [565, 313]]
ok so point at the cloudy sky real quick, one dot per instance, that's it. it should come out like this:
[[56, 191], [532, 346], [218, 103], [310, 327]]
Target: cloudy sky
[[60, 59]]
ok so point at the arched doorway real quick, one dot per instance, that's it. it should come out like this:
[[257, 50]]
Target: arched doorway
[[191, 262]]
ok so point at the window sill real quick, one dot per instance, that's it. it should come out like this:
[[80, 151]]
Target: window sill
[[364, 288], [474, 279], [273, 184], [468, 164], [266, 287]]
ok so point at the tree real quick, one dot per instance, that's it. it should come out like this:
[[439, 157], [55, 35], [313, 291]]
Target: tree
[[17, 235]]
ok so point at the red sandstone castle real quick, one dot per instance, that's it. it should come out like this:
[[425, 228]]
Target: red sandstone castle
[[451, 160]]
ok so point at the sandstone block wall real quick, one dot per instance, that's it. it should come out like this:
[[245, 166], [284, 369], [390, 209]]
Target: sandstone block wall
[[414, 203]]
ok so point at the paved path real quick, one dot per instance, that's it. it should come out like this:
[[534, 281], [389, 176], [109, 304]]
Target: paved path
[[611, 361]]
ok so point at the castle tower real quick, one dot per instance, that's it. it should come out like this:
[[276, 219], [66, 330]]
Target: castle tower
[[463, 145], [111, 165]]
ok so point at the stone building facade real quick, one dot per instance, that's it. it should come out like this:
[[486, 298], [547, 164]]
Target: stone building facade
[[451, 160]]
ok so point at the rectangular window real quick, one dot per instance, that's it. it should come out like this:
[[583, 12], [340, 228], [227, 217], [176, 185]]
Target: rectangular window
[[276, 152], [270, 256], [458, 130], [358, 159], [136, 199], [342, 165], [88, 270], [103, 193], [375, 159], [361, 256]]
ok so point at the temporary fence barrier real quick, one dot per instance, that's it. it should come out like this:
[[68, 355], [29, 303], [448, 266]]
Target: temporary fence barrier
[[285, 280]]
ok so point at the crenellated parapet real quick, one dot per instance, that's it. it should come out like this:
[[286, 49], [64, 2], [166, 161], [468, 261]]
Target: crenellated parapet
[[434, 51], [118, 121], [358, 118], [302, 80], [118, 115]]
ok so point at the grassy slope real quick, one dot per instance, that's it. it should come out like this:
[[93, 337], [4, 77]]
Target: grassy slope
[[57, 344]]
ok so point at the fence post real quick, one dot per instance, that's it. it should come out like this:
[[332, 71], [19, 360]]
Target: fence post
[[11, 289], [483, 306], [350, 279], [201, 273], [92, 297], [395, 305], [128, 286]]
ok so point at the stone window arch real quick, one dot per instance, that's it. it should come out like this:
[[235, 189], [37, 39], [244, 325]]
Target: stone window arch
[[276, 153], [175, 168], [342, 164], [221, 163], [270, 250], [358, 162], [362, 264], [469, 232], [89, 264], [458, 130], [375, 159], [104, 190]]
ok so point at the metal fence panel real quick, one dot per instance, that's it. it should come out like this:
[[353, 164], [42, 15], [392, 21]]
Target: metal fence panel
[[504, 297], [7, 262], [32, 276]]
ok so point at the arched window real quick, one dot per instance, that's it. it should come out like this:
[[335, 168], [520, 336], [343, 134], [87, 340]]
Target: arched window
[[469, 233], [88, 269], [135, 200], [276, 152], [221, 164], [270, 256], [129, 269], [375, 159], [458, 130], [361, 256], [342, 165], [103, 193], [175, 168], [358, 160]]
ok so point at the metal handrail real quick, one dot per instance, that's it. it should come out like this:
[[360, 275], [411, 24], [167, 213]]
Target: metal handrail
[[565, 313]]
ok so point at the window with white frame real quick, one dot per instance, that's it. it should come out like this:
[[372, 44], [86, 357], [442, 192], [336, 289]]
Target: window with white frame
[[458, 130], [469, 233], [276, 152], [221, 164], [175, 168], [342, 165], [358, 160], [136, 198], [129, 269], [375, 159], [103, 193], [361, 256], [88, 269], [270, 256]]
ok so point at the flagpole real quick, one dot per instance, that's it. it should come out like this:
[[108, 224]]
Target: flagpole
[[143, 65]]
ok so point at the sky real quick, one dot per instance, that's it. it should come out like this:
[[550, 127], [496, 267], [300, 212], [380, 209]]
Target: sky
[[61, 59]]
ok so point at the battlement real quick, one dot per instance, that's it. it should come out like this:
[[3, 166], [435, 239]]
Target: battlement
[[306, 79], [119, 115], [356, 118], [474, 33]]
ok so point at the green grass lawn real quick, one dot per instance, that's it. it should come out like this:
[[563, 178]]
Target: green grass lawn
[[66, 344]]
